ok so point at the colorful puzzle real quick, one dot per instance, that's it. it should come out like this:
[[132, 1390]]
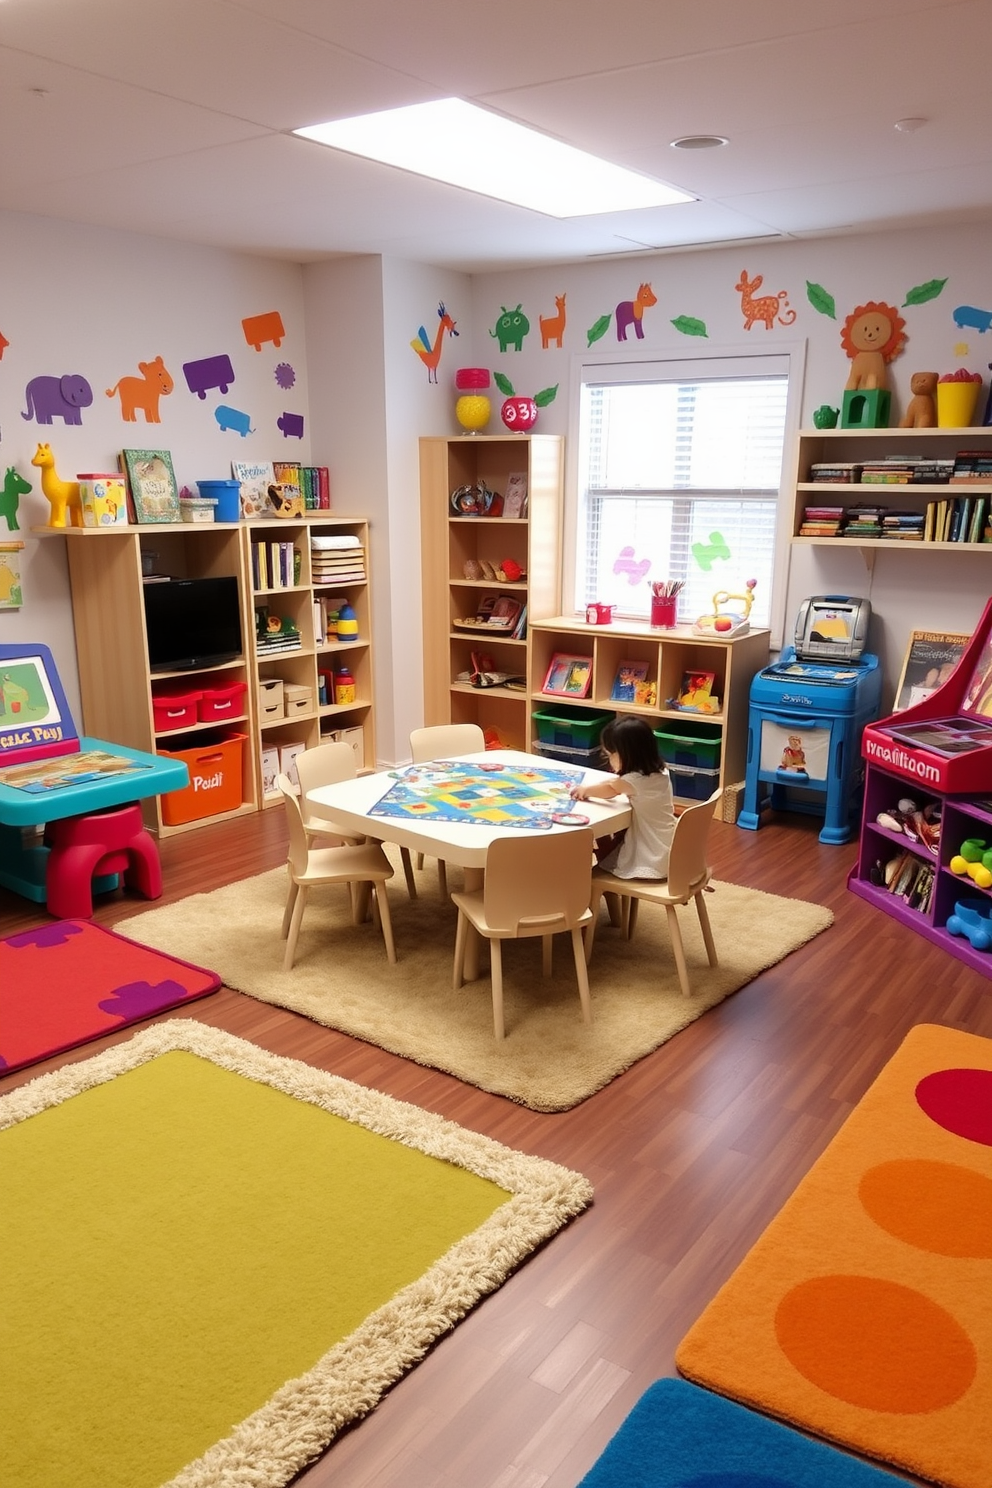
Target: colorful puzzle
[[495, 795]]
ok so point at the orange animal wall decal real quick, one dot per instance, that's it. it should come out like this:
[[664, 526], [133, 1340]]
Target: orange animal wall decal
[[766, 308], [430, 354], [553, 326], [143, 392]]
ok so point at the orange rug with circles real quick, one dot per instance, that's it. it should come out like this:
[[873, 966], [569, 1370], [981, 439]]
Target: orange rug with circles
[[864, 1311]]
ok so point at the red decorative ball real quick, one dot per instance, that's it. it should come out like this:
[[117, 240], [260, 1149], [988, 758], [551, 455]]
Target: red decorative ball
[[471, 379], [519, 414]]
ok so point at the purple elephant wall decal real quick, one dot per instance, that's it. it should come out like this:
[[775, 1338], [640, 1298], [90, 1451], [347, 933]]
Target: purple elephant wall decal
[[57, 397]]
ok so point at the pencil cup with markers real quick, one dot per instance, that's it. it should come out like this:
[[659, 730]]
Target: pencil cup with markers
[[665, 604]]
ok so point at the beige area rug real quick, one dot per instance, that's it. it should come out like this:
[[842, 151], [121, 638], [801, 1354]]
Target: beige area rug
[[343, 980]]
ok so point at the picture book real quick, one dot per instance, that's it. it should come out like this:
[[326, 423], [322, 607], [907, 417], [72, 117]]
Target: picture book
[[629, 674], [931, 657], [568, 676], [515, 495], [256, 476], [152, 483], [696, 693]]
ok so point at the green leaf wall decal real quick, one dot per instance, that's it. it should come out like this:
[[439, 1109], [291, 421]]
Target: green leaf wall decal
[[504, 384], [546, 396], [923, 292], [820, 300], [599, 329], [690, 326]]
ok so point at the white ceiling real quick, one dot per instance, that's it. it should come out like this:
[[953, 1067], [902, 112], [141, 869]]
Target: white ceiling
[[172, 117]]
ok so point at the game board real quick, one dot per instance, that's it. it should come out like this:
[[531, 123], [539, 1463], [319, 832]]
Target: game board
[[488, 795]]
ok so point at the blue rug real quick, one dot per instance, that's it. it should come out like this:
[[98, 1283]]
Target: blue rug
[[679, 1436]]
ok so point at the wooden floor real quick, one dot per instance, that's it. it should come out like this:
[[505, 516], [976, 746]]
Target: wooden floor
[[691, 1153]]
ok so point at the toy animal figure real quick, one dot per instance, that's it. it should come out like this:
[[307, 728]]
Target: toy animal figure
[[62, 495], [553, 326], [921, 411], [766, 308], [631, 312], [14, 486], [428, 354], [873, 335], [143, 392]]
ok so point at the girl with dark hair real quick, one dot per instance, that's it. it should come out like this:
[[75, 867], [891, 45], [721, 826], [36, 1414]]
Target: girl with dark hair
[[642, 850]]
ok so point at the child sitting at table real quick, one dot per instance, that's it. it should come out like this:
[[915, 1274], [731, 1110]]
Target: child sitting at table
[[641, 851]]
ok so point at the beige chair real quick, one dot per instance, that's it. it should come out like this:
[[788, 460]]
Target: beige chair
[[440, 742], [325, 764], [308, 866], [534, 886], [688, 878]]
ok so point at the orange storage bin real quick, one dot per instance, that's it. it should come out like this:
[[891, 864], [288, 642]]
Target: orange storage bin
[[174, 710], [218, 703], [215, 776]]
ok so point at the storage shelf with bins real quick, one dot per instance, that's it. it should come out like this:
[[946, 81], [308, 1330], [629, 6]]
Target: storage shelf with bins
[[668, 655], [317, 653], [961, 818], [818, 446], [117, 688], [450, 541]]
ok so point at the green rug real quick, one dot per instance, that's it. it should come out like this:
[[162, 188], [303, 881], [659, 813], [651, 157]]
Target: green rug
[[197, 1233]]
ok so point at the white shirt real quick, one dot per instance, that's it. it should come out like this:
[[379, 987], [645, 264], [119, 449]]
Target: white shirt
[[643, 853]]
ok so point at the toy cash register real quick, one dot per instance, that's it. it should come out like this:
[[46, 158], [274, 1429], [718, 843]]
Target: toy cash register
[[806, 716]]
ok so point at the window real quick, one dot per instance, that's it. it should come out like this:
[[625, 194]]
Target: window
[[679, 472]]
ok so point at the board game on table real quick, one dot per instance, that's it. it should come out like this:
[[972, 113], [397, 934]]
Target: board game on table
[[501, 795]]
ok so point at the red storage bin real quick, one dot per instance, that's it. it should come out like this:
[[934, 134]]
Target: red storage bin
[[174, 710], [218, 703]]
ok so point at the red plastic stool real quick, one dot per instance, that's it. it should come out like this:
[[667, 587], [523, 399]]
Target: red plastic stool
[[86, 847]]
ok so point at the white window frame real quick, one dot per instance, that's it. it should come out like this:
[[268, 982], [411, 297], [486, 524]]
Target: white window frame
[[788, 356]]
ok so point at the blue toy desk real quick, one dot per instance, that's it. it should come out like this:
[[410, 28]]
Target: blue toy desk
[[22, 862]]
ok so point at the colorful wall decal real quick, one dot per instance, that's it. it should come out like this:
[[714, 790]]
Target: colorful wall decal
[[821, 300], [766, 307], [143, 392], [872, 335], [207, 373], [706, 554], [11, 597], [261, 328], [57, 397], [690, 326], [921, 293], [285, 375], [631, 312], [4, 343], [511, 328], [967, 316], [233, 418], [553, 326], [519, 413], [598, 331], [635, 569], [428, 352], [291, 425], [14, 487]]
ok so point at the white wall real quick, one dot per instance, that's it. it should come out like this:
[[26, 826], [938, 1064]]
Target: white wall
[[84, 300], [907, 589]]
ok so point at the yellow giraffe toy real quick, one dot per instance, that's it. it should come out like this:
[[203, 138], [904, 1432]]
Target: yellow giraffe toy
[[63, 495]]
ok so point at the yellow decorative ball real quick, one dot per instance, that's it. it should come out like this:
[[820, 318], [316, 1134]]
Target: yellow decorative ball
[[472, 412]]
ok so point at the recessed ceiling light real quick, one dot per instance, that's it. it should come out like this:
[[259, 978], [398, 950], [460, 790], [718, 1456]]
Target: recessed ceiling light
[[699, 142], [909, 126], [456, 142]]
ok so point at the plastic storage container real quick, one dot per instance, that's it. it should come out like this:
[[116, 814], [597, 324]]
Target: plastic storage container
[[174, 710], [689, 784], [215, 776], [695, 744], [587, 759], [575, 728], [227, 494], [220, 703]]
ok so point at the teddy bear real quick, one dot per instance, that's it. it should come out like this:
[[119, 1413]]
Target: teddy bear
[[921, 412]]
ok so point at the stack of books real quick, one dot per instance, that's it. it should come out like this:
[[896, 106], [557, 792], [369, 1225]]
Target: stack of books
[[892, 470], [312, 481], [905, 526], [863, 521], [821, 521], [835, 473], [972, 465], [337, 560], [958, 519]]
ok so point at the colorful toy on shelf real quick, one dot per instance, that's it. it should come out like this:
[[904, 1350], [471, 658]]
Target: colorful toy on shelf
[[14, 486], [825, 417], [473, 408], [347, 623], [63, 496], [727, 623], [921, 411], [974, 859], [957, 398], [921, 825], [519, 414], [973, 920]]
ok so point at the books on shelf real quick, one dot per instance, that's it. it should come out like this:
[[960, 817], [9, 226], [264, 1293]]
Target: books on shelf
[[835, 472], [628, 674], [275, 565], [255, 476], [337, 559], [151, 483]]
